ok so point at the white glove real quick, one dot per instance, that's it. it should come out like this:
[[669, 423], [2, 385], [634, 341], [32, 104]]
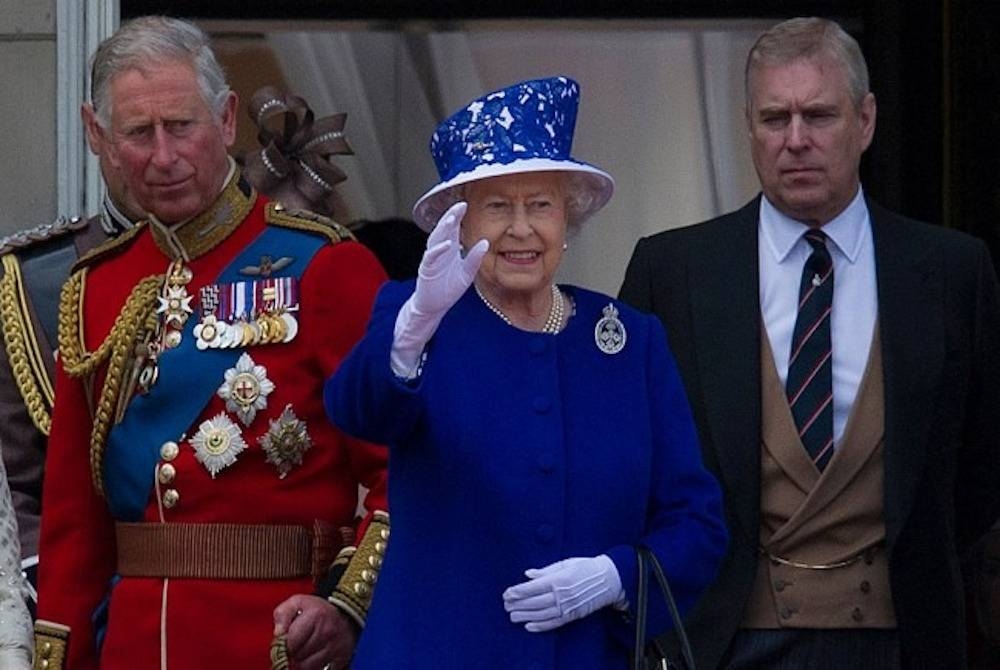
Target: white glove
[[443, 277], [564, 591]]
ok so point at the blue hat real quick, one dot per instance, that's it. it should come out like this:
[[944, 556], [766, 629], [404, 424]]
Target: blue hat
[[527, 127]]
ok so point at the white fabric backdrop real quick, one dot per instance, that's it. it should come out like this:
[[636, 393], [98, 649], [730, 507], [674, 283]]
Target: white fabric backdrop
[[661, 110]]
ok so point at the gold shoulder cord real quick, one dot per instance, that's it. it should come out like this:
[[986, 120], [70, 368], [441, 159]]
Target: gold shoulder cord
[[137, 314], [27, 363]]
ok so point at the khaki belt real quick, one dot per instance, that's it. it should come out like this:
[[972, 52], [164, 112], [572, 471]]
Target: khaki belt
[[226, 551]]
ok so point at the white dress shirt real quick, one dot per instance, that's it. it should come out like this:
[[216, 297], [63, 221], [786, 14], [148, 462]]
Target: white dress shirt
[[783, 252]]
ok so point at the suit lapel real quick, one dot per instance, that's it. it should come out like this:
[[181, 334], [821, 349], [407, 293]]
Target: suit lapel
[[726, 328], [911, 313]]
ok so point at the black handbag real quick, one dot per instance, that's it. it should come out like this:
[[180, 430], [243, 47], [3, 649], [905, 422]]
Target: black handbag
[[653, 656]]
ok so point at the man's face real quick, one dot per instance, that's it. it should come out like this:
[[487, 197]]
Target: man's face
[[114, 180], [807, 137], [169, 146]]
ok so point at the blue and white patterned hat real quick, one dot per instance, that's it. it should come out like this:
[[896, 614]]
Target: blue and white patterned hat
[[527, 127]]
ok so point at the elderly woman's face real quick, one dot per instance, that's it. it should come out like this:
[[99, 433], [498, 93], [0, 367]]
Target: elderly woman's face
[[524, 218]]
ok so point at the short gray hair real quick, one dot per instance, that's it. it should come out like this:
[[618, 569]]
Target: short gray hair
[[150, 41], [810, 38]]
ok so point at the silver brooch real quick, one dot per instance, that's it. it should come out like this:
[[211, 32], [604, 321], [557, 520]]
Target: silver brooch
[[246, 389], [285, 441], [609, 333], [217, 443]]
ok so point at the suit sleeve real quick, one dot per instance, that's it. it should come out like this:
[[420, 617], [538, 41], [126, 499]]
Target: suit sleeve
[[977, 488], [364, 397]]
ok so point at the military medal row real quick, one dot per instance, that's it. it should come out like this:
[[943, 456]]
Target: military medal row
[[267, 328], [256, 312]]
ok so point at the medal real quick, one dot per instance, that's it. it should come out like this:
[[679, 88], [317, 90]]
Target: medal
[[210, 332], [246, 389], [609, 333], [174, 303], [217, 443], [285, 441]]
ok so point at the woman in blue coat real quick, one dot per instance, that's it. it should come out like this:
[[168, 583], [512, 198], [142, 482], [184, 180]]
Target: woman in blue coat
[[538, 433]]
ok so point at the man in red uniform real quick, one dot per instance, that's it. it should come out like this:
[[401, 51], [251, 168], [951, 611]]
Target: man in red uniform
[[193, 481]]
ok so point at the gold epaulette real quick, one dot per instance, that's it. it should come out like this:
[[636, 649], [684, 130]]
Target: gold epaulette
[[276, 214], [27, 361], [47, 231], [111, 247], [50, 645], [353, 593]]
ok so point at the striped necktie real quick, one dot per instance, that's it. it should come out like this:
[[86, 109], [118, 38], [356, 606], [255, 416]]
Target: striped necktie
[[810, 368]]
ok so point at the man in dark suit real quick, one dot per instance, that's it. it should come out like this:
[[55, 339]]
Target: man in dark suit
[[843, 365]]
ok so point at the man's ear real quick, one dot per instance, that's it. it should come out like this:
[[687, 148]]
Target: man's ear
[[95, 134], [228, 118], [866, 117]]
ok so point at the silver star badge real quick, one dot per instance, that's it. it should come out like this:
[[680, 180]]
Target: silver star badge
[[285, 442], [246, 389], [217, 443]]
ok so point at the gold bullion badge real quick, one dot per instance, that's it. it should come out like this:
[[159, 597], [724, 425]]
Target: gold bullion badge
[[285, 441], [246, 388], [217, 443]]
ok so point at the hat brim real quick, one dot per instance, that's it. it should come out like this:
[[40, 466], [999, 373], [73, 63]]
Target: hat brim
[[436, 201]]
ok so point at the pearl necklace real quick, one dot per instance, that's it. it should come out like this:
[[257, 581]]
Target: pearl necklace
[[553, 323]]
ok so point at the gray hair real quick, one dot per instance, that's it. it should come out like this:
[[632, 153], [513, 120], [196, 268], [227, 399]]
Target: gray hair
[[810, 38], [155, 40]]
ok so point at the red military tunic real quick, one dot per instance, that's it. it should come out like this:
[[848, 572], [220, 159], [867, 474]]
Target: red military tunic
[[189, 623]]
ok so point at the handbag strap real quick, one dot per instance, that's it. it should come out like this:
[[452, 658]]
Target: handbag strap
[[642, 601], [647, 560]]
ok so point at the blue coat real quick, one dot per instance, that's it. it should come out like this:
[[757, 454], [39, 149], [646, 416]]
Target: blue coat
[[511, 451]]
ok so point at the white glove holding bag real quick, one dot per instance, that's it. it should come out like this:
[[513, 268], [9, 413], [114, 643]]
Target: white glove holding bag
[[564, 591], [443, 277]]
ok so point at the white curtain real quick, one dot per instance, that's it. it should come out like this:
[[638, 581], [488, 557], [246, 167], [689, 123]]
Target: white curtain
[[661, 110]]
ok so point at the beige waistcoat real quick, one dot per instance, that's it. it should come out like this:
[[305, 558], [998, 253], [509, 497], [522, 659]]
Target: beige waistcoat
[[833, 519]]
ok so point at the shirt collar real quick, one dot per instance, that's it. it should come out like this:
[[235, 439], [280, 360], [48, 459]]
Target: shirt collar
[[780, 233]]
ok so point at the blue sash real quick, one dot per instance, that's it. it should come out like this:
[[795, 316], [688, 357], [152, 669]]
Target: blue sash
[[188, 378]]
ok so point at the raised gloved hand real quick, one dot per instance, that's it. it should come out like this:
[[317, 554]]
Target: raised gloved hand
[[564, 591], [444, 275]]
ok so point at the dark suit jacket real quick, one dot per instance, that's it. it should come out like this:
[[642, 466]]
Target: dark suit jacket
[[939, 316]]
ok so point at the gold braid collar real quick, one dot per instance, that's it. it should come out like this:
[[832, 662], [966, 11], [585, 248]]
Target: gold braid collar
[[138, 314], [26, 359]]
